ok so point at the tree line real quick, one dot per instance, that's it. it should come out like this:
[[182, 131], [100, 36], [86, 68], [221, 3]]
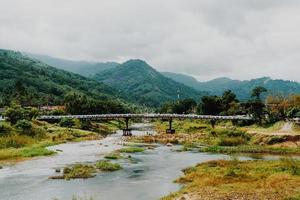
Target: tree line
[[273, 109]]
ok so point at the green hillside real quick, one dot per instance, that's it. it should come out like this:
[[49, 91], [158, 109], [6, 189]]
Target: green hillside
[[240, 88], [44, 84], [83, 68], [145, 85]]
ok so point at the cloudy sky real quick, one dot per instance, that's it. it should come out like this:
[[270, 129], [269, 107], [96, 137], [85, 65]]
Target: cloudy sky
[[241, 39]]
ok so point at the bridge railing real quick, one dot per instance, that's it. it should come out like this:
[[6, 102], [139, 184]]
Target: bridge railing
[[160, 116]]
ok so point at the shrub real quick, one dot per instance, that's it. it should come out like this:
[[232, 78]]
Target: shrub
[[67, 122], [5, 129], [25, 126], [85, 125]]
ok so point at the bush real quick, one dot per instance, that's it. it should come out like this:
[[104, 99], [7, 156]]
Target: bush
[[25, 126], [5, 129], [232, 141], [85, 125], [67, 122]]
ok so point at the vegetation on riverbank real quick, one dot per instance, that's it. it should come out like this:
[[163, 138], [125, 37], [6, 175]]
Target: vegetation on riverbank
[[105, 165], [15, 143], [236, 179], [83, 171], [131, 150], [224, 138]]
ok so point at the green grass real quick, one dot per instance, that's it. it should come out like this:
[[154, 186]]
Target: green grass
[[113, 156], [251, 149], [131, 150], [79, 171], [36, 151], [105, 165]]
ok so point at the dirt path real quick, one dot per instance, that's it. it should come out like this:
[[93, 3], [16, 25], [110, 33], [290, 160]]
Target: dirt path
[[287, 127]]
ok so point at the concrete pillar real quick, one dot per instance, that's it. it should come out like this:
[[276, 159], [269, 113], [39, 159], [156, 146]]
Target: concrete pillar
[[170, 130], [127, 131]]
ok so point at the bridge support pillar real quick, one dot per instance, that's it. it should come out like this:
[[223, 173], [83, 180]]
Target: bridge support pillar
[[213, 123], [127, 131], [170, 130]]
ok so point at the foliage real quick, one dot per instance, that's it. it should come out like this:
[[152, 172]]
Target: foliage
[[257, 91], [79, 171], [31, 82], [132, 150], [179, 107], [80, 104], [113, 156], [105, 165], [25, 126], [66, 122]]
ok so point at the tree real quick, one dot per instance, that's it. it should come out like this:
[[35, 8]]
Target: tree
[[184, 106], [257, 91], [210, 105], [228, 100], [255, 108], [14, 113]]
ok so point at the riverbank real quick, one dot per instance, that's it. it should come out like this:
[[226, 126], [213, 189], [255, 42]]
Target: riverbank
[[225, 138], [15, 145], [220, 179]]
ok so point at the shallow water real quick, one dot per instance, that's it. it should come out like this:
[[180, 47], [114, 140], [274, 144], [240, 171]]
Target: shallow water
[[148, 175]]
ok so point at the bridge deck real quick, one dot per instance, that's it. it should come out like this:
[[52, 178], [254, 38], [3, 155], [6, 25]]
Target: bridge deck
[[145, 116]]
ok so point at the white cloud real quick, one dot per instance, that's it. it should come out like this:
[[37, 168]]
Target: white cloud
[[205, 38]]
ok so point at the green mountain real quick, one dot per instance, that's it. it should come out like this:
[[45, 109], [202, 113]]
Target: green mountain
[[241, 88], [143, 84], [44, 84], [83, 68]]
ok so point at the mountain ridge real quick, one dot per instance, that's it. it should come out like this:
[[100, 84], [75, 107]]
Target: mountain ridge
[[146, 85], [241, 87]]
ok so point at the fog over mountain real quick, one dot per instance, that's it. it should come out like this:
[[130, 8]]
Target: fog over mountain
[[206, 39]]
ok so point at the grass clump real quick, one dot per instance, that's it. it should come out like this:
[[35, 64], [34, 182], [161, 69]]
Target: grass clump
[[131, 150], [232, 141], [113, 156], [105, 165], [36, 151], [77, 171]]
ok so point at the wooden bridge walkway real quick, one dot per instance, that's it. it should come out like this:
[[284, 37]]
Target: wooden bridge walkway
[[144, 116], [127, 131]]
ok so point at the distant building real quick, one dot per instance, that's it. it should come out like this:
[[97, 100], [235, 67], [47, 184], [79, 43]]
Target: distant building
[[52, 108]]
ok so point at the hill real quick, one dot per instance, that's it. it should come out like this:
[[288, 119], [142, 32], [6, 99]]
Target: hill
[[44, 84], [241, 88], [83, 68], [144, 84]]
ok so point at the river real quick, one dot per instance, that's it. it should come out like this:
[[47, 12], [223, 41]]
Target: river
[[149, 176]]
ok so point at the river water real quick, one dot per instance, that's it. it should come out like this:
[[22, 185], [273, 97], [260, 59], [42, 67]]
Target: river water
[[148, 175]]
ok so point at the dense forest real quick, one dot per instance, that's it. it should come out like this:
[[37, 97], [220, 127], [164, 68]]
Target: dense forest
[[33, 83]]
